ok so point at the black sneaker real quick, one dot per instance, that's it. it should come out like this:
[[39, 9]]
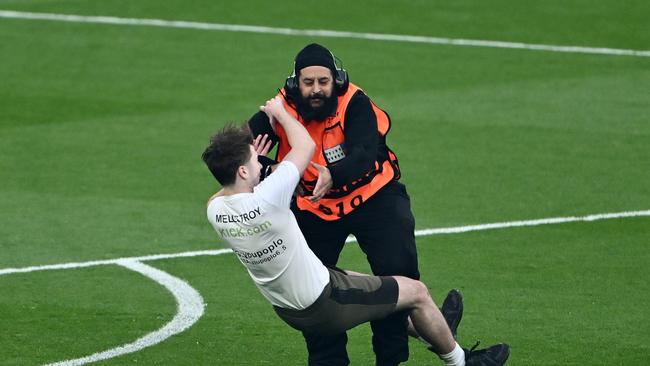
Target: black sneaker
[[496, 355], [452, 310]]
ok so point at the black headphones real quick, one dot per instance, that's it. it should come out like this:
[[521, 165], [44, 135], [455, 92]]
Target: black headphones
[[341, 80]]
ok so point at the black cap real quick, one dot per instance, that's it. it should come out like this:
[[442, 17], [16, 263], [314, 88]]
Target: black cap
[[314, 55]]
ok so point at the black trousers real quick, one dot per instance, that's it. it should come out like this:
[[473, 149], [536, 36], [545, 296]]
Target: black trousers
[[384, 228]]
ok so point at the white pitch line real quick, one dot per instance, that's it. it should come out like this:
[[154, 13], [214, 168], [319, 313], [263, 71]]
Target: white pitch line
[[503, 225], [191, 305], [423, 232], [319, 33], [190, 308], [111, 261], [548, 221]]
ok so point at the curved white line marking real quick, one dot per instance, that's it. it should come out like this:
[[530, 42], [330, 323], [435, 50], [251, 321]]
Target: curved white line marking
[[318, 33], [190, 309], [190, 302]]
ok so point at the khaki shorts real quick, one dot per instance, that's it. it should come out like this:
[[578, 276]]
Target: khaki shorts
[[346, 302]]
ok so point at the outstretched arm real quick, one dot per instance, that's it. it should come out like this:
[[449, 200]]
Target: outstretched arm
[[302, 146]]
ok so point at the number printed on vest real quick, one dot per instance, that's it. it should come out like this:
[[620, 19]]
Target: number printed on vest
[[355, 202]]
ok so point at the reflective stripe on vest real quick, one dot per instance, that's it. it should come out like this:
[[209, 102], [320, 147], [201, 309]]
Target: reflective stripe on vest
[[329, 138]]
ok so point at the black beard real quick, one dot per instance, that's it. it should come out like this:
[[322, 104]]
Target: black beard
[[309, 113]]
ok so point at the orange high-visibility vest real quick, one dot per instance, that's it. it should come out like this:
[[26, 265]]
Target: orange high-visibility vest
[[329, 138]]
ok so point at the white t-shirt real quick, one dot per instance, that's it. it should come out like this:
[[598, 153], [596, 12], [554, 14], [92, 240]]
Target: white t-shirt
[[263, 232]]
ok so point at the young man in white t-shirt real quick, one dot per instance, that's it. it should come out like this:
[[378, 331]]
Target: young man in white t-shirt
[[255, 221]]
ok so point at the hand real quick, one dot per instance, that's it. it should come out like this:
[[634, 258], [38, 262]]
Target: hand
[[274, 108], [323, 184], [299, 191], [262, 144]]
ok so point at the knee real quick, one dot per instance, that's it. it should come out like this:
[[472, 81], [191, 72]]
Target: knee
[[421, 293]]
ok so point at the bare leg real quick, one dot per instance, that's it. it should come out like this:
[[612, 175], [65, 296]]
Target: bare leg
[[411, 329], [406, 284], [424, 315]]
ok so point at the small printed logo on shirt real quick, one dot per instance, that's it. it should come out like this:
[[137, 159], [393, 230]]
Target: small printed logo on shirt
[[238, 218], [276, 248], [240, 232], [334, 154]]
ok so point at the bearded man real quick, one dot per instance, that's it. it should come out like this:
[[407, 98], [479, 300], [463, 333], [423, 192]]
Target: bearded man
[[350, 187]]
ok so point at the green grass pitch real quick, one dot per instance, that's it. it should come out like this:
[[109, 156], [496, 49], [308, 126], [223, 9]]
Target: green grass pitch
[[102, 127]]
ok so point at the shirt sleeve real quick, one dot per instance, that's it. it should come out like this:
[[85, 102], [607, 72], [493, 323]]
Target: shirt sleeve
[[260, 125], [278, 187], [361, 142]]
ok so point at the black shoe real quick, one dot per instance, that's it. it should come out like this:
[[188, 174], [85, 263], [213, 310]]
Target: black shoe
[[496, 355], [452, 310]]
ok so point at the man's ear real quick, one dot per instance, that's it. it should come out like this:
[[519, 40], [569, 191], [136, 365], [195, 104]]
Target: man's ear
[[242, 172]]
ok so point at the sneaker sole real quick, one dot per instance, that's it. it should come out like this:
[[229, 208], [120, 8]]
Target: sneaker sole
[[454, 322]]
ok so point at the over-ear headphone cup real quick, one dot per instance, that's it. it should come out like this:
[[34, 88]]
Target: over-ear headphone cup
[[341, 81], [291, 86]]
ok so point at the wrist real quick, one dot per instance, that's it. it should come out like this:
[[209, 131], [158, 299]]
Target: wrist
[[283, 117]]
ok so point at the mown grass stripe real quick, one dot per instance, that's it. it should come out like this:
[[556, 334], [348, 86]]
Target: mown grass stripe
[[320, 33], [423, 232]]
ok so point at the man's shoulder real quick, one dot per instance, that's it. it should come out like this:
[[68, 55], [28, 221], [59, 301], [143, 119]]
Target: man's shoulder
[[279, 186], [359, 100], [214, 196], [359, 106], [359, 94], [286, 169]]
